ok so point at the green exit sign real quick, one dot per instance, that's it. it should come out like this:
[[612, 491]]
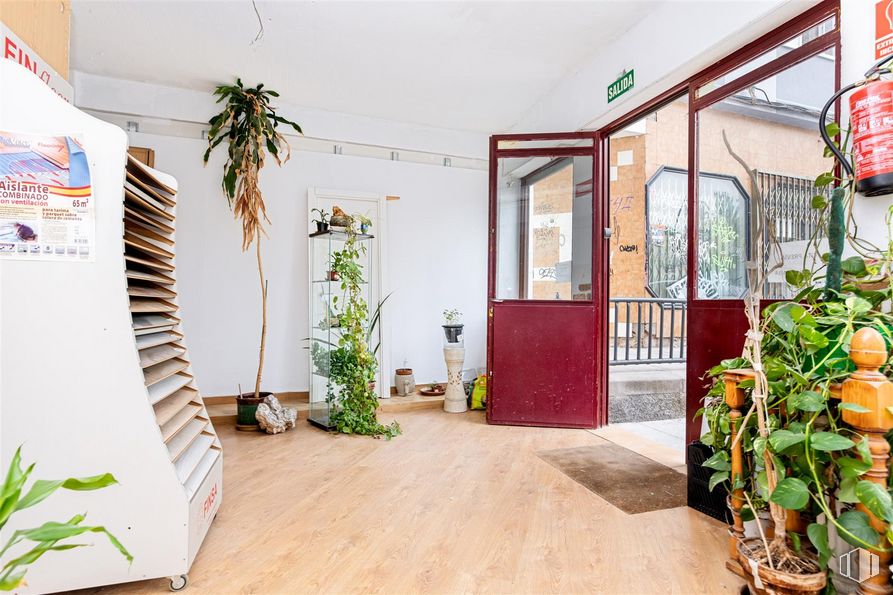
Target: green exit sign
[[621, 85]]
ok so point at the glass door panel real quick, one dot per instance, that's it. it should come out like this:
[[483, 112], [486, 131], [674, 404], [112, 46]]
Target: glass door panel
[[774, 126], [544, 229]]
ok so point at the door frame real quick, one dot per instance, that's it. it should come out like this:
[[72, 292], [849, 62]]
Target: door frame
[[601, 184], [689, 87], [495, 154]]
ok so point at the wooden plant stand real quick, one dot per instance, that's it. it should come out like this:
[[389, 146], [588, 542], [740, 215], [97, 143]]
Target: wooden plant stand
[[866, 387]]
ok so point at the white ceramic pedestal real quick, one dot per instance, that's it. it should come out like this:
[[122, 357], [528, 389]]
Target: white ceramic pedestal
[[454, 399]]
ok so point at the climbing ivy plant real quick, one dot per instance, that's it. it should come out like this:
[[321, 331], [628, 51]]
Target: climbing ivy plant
[[355, 412]]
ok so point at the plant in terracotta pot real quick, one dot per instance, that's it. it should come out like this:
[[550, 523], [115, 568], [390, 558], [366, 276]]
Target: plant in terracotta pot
[[250, 127], [452, 326]]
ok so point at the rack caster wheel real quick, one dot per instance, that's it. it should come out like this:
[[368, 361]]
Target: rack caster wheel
[[178, 583]]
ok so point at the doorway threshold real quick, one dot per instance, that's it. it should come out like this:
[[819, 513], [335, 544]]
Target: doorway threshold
[[662, 441]]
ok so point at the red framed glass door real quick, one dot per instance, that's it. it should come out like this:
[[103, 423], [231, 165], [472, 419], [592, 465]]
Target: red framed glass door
[[769, 94], [543, 353]]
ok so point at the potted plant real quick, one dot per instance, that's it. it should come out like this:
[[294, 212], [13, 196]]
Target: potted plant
[[801, 461], [51, 535], [365, 224], [354, 408], [249, 126], [452, 328], [322, 224]]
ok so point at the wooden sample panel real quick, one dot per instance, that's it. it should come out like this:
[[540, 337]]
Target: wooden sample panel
[[149, 255]]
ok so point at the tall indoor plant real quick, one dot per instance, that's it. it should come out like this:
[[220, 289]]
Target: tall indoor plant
[[249, 125]]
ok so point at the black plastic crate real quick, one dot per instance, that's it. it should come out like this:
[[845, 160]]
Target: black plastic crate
[[699, 497]]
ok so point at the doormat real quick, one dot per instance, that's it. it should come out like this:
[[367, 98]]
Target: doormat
[[626, 479]]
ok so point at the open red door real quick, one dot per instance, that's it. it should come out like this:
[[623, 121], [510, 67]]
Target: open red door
[[543, 334]]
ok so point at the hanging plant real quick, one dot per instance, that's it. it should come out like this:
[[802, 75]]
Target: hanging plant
[[357, 365], [249, 126]]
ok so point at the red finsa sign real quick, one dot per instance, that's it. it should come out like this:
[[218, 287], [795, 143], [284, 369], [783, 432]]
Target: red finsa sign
[[208, 504], [13, 48]]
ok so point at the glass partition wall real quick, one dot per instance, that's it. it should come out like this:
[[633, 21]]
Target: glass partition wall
[[681, 209], [764, 102]]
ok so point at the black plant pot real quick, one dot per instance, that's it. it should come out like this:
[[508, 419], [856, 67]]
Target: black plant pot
[[246, 408], [452, 332], [321, 227]]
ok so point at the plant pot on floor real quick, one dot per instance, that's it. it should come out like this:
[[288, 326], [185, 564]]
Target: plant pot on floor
[[246, 408], [779, 582], [453, 334]]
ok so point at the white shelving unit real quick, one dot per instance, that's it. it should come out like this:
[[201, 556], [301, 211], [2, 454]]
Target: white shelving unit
[[94, 370]]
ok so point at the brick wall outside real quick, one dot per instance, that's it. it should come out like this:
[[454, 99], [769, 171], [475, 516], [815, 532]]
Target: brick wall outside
[[764, 145]]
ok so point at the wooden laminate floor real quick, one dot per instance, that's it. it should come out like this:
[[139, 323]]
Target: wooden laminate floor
[[453, 505]]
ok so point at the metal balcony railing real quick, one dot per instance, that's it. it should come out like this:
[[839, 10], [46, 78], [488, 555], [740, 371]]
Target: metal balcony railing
[[646, 331]]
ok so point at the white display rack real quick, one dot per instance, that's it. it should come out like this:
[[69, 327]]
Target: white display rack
[[94, 370]]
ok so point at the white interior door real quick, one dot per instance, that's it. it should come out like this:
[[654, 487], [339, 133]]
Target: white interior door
[[372, 206]]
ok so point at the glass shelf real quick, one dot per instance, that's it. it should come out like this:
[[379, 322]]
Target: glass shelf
[[340, 236], [324, 392], [335, 281]]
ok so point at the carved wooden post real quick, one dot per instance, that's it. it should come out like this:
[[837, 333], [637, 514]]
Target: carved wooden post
[[871, 389], [735, 401]]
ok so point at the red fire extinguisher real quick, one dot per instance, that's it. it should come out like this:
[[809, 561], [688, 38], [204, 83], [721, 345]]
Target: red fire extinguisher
[[871, 117]]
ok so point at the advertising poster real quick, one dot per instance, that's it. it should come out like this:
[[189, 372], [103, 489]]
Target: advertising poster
[[46, 203]]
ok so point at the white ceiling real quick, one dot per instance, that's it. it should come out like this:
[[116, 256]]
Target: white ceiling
[[459, 65]]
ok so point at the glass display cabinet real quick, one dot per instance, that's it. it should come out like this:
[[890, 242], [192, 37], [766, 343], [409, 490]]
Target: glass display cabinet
[[326, 299]]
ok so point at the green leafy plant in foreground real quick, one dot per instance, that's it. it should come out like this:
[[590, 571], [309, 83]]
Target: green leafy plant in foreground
[[47, 537], [800, 457], [818, 458]]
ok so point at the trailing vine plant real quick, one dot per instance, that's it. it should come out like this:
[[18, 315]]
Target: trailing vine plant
[[356, 403]]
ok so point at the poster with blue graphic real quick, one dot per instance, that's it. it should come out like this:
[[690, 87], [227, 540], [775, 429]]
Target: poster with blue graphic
[[46, 201]]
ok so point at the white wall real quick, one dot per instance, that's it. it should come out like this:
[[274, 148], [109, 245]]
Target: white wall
[[437, 244], [175, 105], [857, 56], [670, 44]]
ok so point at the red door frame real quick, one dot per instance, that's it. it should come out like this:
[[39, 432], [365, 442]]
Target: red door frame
[[589, 150], [729, 342]]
